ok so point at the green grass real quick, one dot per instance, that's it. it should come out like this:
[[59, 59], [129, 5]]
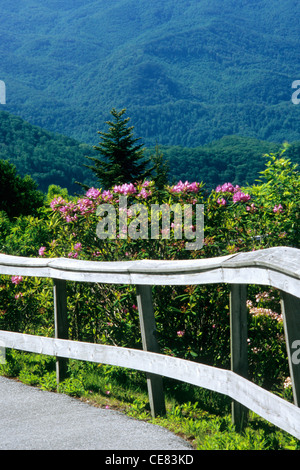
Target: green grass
[[199, 416]]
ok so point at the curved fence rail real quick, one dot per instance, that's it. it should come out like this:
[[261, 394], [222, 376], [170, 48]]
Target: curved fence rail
[[278, 267]]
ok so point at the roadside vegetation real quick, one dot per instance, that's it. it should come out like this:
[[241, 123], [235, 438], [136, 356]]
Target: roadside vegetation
[[193, 324]]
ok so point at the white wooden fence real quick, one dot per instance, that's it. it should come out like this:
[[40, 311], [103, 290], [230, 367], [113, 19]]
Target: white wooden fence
[[277, 267]]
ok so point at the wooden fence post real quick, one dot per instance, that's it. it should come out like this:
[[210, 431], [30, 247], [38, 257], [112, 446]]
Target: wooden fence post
[[238, 346], [61, 324], [150, 343], [290, 307]]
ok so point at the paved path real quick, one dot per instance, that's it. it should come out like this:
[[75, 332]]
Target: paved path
[[32, 419]]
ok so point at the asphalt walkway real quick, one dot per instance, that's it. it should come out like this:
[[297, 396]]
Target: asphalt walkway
[[33, 419]]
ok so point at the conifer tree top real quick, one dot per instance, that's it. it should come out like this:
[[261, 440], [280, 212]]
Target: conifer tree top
[[121, 155]]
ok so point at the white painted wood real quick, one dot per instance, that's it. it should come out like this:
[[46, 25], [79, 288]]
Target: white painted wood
[[277, 267], [270, 407]]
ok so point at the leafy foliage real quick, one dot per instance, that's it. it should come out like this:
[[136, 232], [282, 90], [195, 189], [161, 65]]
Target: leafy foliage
[[17, 195], [193, 323]]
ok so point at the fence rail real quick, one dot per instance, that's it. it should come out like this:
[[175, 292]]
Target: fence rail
[[278, 267]]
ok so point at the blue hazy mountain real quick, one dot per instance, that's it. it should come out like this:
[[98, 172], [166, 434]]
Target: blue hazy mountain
[[188, 71]]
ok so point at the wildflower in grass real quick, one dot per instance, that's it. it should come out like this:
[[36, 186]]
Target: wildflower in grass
[[18, 296], [78, 246], [180, 333]]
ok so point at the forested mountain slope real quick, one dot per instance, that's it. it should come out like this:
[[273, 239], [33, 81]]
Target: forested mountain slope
[[56, 159], [47, 157], [188, 71]]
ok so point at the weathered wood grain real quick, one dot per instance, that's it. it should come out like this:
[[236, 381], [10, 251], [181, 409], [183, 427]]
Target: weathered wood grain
[[238, 345], [61, 326], [150, 343]]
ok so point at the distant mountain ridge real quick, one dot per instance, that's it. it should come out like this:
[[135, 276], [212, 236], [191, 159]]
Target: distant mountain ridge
[[188, 71], [51, 158]]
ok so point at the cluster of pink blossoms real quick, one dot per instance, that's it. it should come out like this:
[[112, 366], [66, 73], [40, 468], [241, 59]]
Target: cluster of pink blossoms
[[238, 196], [241, 197], [93, 193], [16, 279], [181, 187], [93, 197], [278, 208], [71, 210], [77, 248], [227, 188], [42, 250], [125, 189]]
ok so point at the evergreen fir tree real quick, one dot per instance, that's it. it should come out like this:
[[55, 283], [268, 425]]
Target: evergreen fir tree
[[122, 156]]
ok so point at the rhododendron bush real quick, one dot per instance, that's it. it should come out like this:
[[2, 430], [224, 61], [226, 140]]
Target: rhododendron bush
[[192, 321]]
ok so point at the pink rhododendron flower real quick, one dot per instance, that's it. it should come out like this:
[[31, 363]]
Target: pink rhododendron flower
[[221, 201], [240, 197], [42, 250], [278, 208], [185, 187], [227, 188], [125, 189], [107, 195], [57, 202], [143, 193], [93, 193], [85, 206], [180, 333], [16, 279], [251, 208]]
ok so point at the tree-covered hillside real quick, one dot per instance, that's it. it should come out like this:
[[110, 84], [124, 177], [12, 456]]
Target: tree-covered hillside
[[55, 159], [189, 72], [47, 157]]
